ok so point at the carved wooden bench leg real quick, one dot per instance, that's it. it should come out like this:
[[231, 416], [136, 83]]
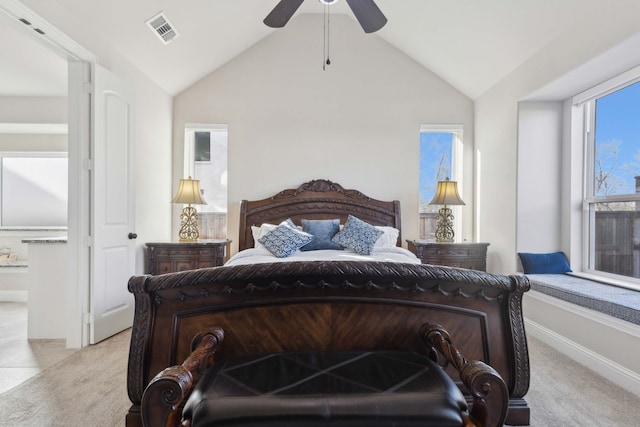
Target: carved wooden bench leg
[[167, 392], [486, 386]]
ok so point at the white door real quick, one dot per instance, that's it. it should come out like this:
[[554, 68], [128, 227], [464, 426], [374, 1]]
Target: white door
[[113, 247]]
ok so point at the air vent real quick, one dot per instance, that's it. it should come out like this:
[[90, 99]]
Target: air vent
[[162, 28]]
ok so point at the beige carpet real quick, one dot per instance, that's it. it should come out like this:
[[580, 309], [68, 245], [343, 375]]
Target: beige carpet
[[86, 389], [89, 389], [564, 393]]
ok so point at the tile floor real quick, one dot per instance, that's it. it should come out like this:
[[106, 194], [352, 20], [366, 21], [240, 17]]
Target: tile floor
[[21, 359]]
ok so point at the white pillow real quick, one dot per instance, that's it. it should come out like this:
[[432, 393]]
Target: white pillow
[[258, 232], [389, 239]]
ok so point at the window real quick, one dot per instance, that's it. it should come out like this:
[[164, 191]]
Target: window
[[440, 150], [34, 190], [202, 143], [612, 183], [206, 160]]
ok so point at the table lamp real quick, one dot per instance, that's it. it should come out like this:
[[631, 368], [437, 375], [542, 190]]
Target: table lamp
[[446, 194], [189, 194]]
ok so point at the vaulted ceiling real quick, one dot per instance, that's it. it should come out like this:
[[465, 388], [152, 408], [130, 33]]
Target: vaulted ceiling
[[472, 44]]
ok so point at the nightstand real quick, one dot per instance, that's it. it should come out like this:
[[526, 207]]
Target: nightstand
[[465, 255], [170, 257]]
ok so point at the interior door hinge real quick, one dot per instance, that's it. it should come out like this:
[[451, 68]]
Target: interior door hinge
[[88, 241], [87, 318], [88, 164], [88, 87]]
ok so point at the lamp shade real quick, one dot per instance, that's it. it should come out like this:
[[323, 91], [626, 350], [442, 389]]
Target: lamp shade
[[189, 193], [447, 194]]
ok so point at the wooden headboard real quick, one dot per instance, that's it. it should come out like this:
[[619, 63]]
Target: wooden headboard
[[317, 199]]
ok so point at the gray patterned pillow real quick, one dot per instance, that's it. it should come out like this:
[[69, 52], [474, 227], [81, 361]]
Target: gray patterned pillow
[[358, 236], [284, 240]]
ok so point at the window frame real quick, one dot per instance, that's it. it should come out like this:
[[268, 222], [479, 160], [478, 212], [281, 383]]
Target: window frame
[[217, 219], [189, 162], [456, 165], [587, 100]]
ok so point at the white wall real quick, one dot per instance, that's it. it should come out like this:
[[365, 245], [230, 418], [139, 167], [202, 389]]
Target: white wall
[[496, 115], [25, 142], [539, 176], [357, 123], [33, 109], [605, 344]]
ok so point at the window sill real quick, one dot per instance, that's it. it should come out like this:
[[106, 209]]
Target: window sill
[[606, 280]]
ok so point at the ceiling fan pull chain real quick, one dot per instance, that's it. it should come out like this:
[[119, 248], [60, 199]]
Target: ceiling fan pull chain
[[325, 37], [328, 33]]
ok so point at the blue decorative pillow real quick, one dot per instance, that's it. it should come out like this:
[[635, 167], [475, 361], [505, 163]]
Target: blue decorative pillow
[[322, 230], [358, 236], [284, 240], [545, 263]]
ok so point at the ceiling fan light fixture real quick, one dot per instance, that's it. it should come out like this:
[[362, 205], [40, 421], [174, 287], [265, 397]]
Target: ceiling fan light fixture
[[367, 13]]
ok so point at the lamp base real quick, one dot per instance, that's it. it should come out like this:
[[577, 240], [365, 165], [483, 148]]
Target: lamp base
[[189, 225], [444, 226]]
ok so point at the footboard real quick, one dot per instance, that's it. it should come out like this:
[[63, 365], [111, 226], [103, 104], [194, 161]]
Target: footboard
[[329, 306]]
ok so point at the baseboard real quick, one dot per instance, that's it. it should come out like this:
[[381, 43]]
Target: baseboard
[[13, 296], [614, 372]]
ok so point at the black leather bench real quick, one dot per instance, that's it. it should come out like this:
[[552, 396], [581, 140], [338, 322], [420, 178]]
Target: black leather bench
[[320, 388]]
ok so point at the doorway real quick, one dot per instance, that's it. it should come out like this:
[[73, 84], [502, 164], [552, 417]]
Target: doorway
[[101, 209], [33, 128], [60, 53]]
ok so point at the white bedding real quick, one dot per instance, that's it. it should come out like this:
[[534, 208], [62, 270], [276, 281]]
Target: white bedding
[[261, 255]]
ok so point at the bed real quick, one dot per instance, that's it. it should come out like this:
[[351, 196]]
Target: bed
[[352, 302]]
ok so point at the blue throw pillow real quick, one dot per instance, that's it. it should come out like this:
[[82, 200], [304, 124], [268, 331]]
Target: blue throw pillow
[[284, 240], [322, 230], [544, 263], [358, 236]]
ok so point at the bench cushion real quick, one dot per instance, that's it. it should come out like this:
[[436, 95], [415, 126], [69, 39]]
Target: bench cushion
[[326, 388], [618, 302]]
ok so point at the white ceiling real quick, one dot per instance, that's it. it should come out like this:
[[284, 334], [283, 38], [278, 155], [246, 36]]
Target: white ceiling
[[472, 44]]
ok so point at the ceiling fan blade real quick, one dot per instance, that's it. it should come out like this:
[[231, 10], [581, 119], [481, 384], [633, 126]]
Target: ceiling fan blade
[[281, 14], [368, 14]]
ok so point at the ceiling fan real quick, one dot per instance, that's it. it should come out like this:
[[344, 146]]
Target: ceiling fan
[[366, 12]]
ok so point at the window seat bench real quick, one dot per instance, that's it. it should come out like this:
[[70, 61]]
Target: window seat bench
[[608, 299]]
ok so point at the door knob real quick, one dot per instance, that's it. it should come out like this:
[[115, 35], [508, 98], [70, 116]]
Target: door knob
[[132, 235]]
